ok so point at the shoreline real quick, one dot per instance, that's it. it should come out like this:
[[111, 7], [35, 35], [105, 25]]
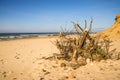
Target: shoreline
[[33, 37], [13, 36]]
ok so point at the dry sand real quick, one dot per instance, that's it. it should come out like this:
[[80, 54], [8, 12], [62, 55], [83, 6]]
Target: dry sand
[[21, 60]]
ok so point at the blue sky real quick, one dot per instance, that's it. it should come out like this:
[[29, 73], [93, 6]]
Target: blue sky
[[50, 15]]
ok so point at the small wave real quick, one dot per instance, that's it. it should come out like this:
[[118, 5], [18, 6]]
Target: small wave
[[13, 36]]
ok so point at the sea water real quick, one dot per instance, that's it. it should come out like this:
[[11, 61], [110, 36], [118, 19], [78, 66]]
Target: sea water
[[13, 36]]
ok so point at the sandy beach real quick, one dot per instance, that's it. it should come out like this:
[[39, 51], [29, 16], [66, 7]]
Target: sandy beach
[[21, 60], [59, 39]]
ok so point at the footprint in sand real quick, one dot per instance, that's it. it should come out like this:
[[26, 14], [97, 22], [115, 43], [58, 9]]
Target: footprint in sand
[[2, 61], [17, 56], [6, 73], [14, 78]]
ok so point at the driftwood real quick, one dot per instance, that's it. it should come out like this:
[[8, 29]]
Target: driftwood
[[85, 34], [82, 47]]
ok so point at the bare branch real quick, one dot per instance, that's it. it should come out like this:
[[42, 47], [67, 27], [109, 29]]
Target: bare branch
[[76, 28], [79, 27], [90, 25], [85, 24]]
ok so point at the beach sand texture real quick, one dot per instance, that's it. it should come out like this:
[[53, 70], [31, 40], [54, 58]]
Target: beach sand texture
[[21, 60]]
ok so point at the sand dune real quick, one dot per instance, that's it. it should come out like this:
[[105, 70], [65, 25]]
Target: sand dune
[[114, 31]]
